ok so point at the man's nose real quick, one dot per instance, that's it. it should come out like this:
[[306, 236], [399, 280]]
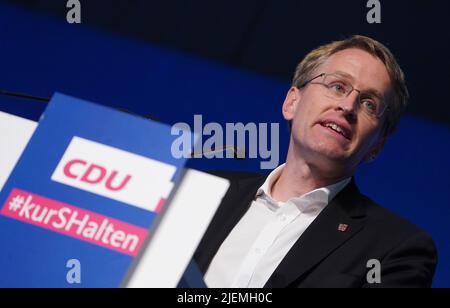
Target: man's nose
[[349, 105]]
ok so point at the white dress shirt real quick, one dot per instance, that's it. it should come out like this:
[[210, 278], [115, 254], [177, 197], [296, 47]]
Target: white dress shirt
[[265, 234]]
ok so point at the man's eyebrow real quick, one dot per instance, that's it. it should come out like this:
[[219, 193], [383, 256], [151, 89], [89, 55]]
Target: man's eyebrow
[[375, 93], [372, 91], [345, 75]]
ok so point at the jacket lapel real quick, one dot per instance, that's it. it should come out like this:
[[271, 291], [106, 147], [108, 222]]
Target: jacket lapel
[[322, 237], [234, 205]]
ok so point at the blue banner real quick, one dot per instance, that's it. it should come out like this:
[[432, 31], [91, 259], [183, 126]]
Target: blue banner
[[78, 205]]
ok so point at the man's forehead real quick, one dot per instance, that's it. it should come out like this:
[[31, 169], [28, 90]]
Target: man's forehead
[[359, 67], [368, 90]]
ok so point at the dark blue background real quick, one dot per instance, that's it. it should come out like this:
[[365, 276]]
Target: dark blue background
[[41, 55]]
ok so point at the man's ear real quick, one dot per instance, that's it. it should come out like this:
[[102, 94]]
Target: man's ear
[[376, 149], [290, 103]]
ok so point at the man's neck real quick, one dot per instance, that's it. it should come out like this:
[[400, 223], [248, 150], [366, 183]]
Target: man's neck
[[298, 178]]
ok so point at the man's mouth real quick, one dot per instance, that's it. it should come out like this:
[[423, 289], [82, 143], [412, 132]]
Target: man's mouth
[[337, 128]]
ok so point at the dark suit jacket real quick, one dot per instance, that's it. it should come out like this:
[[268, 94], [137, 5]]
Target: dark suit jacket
[[325, 256]]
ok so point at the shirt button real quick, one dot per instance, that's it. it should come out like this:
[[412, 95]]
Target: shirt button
[[283, 218]]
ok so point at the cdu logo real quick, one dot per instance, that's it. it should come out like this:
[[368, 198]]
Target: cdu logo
[[90, 173], [114, 173]]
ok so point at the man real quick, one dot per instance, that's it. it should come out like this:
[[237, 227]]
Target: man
[[306, 224]]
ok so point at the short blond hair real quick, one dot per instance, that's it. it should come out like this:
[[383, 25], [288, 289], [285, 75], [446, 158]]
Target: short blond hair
[[396, 107]]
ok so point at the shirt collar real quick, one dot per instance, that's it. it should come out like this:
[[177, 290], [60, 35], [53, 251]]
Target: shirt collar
[[320, 196]]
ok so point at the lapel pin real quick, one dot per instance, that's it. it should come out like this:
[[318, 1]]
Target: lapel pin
[[342, 227]]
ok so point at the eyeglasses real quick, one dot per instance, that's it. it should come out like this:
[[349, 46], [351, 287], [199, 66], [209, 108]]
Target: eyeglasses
[[338, 88]]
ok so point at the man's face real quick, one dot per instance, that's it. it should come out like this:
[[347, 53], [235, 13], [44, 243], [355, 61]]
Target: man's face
[[310, 111]]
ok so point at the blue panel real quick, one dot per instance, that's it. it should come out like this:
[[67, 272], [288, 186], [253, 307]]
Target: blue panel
[[35, 252]]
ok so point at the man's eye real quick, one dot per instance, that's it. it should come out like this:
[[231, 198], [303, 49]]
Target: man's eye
[[338, 87], [370, 105]]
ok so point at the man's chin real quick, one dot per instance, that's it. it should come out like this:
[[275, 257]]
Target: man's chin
[[332, 152], [332, 156]]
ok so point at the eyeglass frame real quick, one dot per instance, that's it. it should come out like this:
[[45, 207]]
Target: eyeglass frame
[[352, 89]]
